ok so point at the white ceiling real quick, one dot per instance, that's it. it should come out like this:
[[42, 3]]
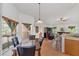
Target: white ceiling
[[49, 11]]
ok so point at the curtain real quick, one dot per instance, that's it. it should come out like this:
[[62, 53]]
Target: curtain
[[11, 23], [27, 25]]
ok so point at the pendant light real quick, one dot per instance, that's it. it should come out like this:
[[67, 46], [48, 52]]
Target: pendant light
[[39, 21]]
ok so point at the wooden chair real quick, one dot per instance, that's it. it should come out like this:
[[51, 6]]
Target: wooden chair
[[15, 42]]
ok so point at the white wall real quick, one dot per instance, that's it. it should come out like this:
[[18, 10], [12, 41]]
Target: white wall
[[9, 10], [0, 9], [23, 18], [0, 30]]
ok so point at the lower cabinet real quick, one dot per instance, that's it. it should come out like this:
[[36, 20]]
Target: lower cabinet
[[72, 47]]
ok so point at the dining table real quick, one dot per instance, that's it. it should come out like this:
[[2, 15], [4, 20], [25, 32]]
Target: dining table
[[27, 44]]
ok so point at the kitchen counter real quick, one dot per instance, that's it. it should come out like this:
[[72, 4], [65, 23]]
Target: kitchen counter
[[72, 45], [72, 38]]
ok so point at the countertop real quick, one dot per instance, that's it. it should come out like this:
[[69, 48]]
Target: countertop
[[71, 38]]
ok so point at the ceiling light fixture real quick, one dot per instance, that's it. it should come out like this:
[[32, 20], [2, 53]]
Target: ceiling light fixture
[[39, 21]]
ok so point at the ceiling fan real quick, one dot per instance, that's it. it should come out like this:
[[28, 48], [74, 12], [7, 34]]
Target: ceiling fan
[[63, 19]]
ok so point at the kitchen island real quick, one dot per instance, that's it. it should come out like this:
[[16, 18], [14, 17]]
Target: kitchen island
[[72, 45]]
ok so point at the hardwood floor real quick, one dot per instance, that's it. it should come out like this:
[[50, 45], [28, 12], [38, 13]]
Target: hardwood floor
[[47, 49]]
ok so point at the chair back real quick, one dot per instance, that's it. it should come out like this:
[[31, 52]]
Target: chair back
[[15, 41], [16, 38], [26, 51], [31, 37]]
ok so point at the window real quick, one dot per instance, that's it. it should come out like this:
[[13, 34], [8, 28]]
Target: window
[[71, 28], [6, 42]]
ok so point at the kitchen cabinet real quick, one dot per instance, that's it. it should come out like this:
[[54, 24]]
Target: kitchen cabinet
[[72, 46]]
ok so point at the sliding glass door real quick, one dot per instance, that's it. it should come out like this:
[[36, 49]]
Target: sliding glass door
[[6, 31]]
